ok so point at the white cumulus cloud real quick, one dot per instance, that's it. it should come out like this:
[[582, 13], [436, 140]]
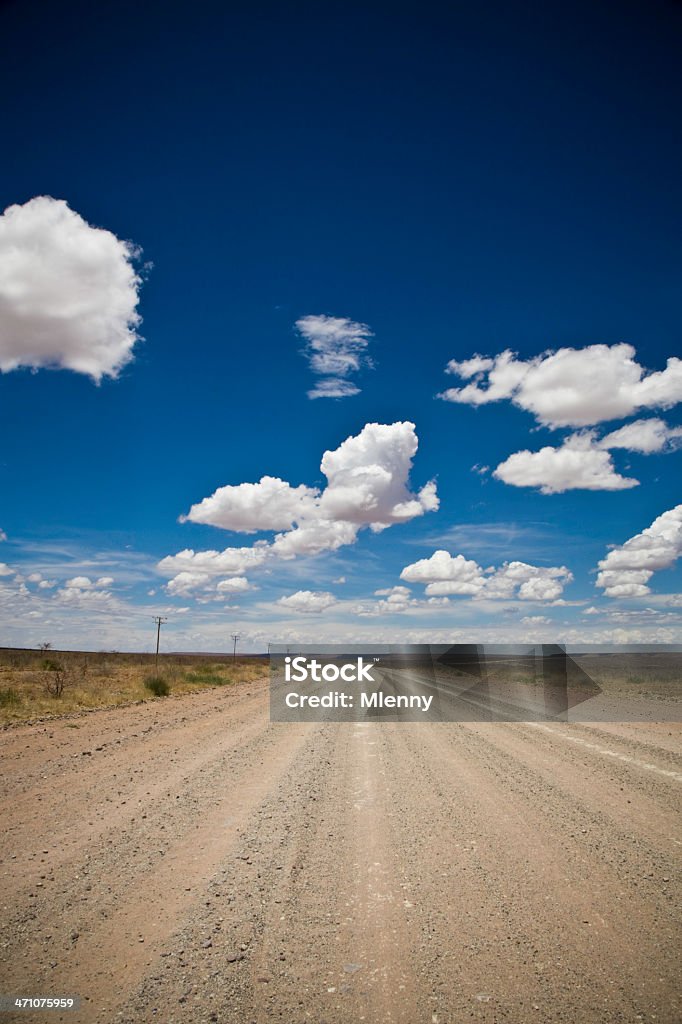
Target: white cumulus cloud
[[270, 504], [583, 462], [367, 487], [101, 600], [85, 583], [187, 583], [367, 478], [314, 536], [394, 600], [211, 564], [68, 292], [336, 349], [578, 464], [79, 582], [645, 436], [84, 593], [233, 585], [569, 387], [446, 574], [627, 569], [527, 582], [308, 601]]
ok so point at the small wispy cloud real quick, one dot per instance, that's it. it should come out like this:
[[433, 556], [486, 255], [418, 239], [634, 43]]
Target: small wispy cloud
[[308, 602], [65, 559], [493, 538], [336, 348]]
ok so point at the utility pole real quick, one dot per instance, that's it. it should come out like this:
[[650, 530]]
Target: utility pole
[[158, 619], [235, 637]]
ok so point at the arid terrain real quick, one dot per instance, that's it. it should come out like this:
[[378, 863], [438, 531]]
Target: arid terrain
[[35, 685], [186, 860]]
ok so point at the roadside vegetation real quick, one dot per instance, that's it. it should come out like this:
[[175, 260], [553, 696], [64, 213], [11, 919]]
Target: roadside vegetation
[[41, 684], [655, 675]]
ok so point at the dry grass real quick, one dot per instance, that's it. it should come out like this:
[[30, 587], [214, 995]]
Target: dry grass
[[654, 675], [106, 679]]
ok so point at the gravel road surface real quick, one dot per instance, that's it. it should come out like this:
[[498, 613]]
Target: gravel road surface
[[185, 860]]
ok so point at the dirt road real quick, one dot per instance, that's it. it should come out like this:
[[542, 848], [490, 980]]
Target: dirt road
[[186, 860]]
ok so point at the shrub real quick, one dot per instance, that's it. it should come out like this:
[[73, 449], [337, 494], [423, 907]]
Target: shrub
[[51, 665], [9, 698], [54, 677], [157, 685], [206, 677]]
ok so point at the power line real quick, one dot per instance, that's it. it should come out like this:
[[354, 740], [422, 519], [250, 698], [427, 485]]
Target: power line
[[235, 637]]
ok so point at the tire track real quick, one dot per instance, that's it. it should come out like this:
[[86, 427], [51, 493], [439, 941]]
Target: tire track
[[526, 919]]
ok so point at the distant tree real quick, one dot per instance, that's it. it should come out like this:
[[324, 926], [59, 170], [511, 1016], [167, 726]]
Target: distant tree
[[45, 646]]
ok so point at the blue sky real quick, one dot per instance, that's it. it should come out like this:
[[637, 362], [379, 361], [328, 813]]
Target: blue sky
[[463, 181]]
